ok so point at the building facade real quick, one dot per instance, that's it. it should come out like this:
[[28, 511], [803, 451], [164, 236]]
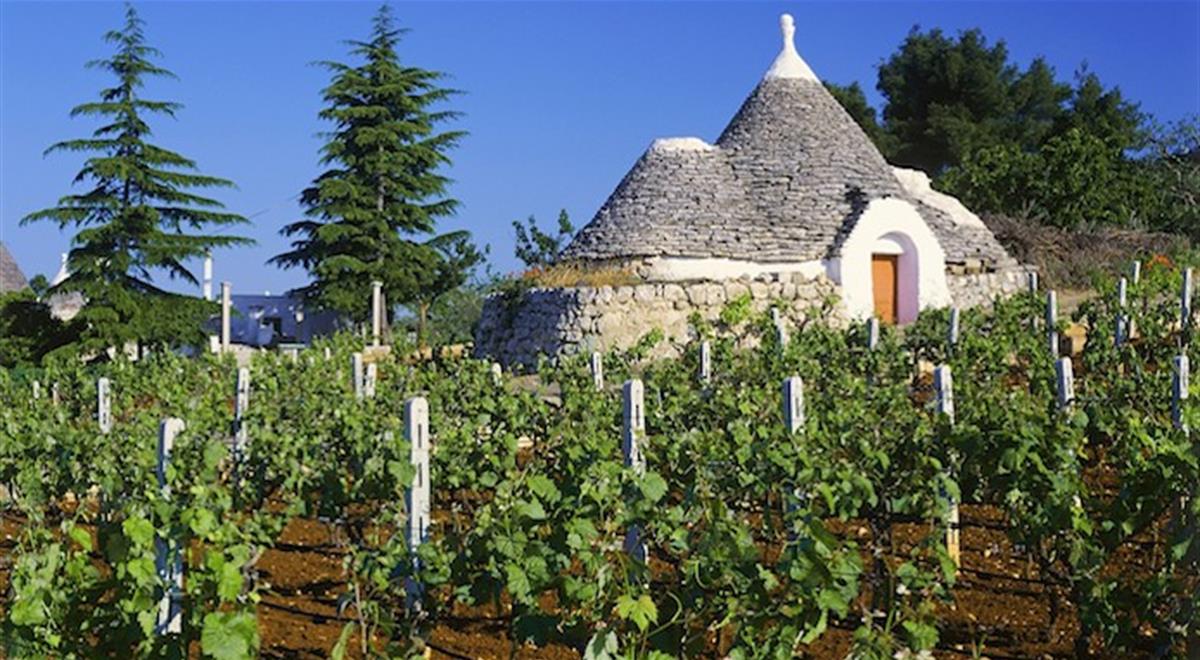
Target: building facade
[[792, 192]]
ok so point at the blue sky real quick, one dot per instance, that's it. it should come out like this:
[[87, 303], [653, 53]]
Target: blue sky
[[560, 98]]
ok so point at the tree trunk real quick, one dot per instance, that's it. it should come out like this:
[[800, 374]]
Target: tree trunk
[[422, 323]]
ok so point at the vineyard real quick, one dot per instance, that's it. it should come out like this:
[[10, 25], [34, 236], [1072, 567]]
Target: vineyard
[[954, 488]]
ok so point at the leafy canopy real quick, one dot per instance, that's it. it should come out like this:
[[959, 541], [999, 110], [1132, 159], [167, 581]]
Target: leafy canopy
[[536, 248], [140, 214], [366, 214]]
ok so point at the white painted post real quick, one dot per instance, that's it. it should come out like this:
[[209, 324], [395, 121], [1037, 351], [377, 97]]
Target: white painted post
[[416, 431], [356, 374], [1052, 321], [1066, 383], [634, 428], [952, 333], [37, 390], [54, 397], [369, 379], [241, 406], [226, 305], [1122, 322], [872, 333], [206, 290], [1179, 391], [1135, 272], [793, 404], [328, 353], [597, 371], [103, 405], [497, 374], [1185, 300], [376, 312], [943, 383], [168, 560], [1033, 282], [781, 332], [705, 362]]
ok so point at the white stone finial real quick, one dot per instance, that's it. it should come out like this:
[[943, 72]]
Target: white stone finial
[[789, 64], [788, 25]]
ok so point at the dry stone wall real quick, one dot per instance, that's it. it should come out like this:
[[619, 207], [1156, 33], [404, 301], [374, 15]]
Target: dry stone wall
[[980, 289], [565, 321]]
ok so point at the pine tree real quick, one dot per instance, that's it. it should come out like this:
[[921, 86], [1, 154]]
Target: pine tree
[[367, 214], [139, 215]]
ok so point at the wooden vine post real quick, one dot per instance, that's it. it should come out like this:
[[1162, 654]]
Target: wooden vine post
[[952, 331], [1032, 282], [943, 384], [376, 312], [1064, 374], [1180, 382], [168, 559], [226, 305], [104, 405], [1122, 330], [705, 362], [597, 371], [1052, 321], [793, 404], [370, 377], [356, 374], [781, 332], [633, 433], [240, 407], [1185, 303], [416, 431]]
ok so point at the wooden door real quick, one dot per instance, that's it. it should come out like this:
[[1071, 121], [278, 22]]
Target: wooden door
[[883, 275]]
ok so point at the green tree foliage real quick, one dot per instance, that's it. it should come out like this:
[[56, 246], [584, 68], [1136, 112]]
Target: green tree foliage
[[140, 213], [1075, 179], [367, 214], [456, 260], [27, 330], [536, 248], [948, 97]]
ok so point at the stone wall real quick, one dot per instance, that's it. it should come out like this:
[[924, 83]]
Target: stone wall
[[571, 320], [976, 289]]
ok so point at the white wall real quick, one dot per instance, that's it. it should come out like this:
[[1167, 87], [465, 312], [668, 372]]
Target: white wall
[[885, 226]]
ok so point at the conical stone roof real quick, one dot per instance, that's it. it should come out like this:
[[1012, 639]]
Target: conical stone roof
[[11, 277], [785, 182]]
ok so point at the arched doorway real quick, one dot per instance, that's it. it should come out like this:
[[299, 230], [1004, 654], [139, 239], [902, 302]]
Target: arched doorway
[[891, 265]]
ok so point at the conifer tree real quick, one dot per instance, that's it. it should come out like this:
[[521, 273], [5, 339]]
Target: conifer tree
[[140, 214], [367, 215]]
